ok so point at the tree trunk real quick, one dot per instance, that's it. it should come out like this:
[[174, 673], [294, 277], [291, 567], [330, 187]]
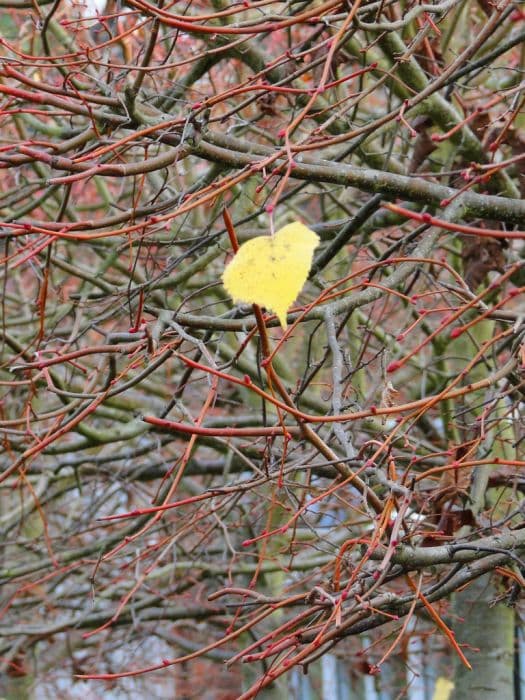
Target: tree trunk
[[491, 630]]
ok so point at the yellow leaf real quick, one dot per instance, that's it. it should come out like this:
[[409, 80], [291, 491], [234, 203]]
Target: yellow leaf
[[443, 689], [271, 270]]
